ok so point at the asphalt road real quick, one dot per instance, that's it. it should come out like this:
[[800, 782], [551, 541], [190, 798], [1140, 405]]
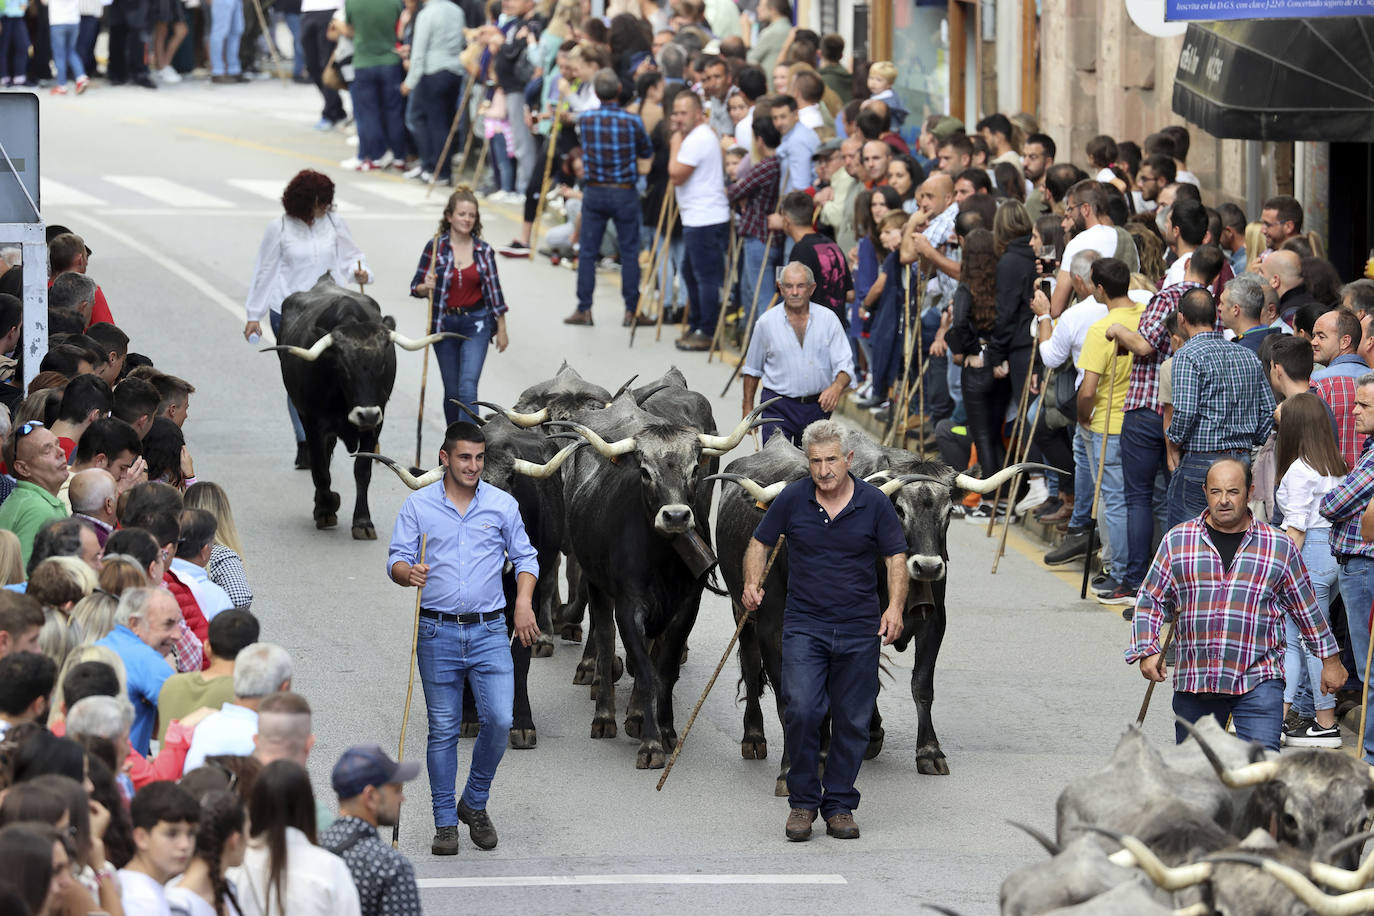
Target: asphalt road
[[172, 190]]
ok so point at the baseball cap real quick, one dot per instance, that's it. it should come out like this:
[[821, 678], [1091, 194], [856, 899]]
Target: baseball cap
[[825, 149], [947, 128], [368, 765]]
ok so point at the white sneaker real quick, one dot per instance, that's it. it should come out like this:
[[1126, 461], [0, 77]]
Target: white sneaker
[[385, 161], [168, 74], [415, 172], [353, 162], [1036, 495]]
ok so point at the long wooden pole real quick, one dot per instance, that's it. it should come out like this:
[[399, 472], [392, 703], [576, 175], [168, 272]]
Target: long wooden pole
[[1018, 456], [743, 619], [1150, 690], [410, 684], [898, 404], [1364, 688], [544, 185], [1097, 487], [758, 285], [656, 247], [453, 129], [735, 246], [920, 365], [662, 287], [429, 329], [1018, 433]]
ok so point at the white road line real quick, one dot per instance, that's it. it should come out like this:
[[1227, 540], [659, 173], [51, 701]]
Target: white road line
[[57, 194], [253, 214], [412, 194], [172, 193], [271, 189], [592, 880]]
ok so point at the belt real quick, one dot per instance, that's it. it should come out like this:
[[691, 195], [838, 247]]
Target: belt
[[605, 184], [484, 617], [1344, 558], [465, 308], [807, 399]]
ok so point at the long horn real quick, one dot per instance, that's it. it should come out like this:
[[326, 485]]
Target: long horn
[[725, 443], [608, 449], [892, 486], [1360, 901], [1169, 878], [622, 389], [525, 420], [324, 343], [987, 485], [476, 418], [1236, 778], [541, 471], [1050, 845], [755, 489], [405, 343], [1340, 878], [409, 479], [640, 399]]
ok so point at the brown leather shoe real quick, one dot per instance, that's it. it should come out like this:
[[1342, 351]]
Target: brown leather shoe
[[642, 321], [579, 317], [695, 341], [1062, 514], [841, 826], [799, 824]]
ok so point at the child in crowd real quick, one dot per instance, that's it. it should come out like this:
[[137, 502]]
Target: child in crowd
[[884, 319], [733, 157], [882, 74], [164, 818]]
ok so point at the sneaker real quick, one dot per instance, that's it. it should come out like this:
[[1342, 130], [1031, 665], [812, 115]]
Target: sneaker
[[1122, 594], [367, 165], [413, 173], [426, 177], [957, 510], [169, 75], [983, 512], [445, 841], [1073, 547], [1101, 582], [81, 84], [58, 90], [514, 249], [1035, 496], [480, 829], [880, 406], [352, 162], [1308, 733], [324, 124], [608, 264], [386, 160]]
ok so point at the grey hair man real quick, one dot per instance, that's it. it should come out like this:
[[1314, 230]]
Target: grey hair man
[[1242, 311], [146, 624], [260, 670], [104, 717]]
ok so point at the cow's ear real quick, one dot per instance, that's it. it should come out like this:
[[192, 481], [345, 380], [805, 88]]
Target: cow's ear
[[388, 322]]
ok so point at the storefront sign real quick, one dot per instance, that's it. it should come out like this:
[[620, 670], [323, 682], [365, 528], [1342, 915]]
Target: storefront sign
[[1212, 10]]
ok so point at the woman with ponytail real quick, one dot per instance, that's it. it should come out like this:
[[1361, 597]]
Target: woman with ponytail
[[203, 889]]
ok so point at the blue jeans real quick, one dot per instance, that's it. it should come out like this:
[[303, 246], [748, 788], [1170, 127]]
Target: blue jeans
[[703, 269], [64, 52], [602, 205], [1083, 481], [1303, 670], [752, 263], [824, 670], [1111, 511], [670, 273], [293, 25], [1142, 456], [379, 111], [460, 361], [1187, 486], [226, 29], [1258, 715], [1356, 580], [502, 168], [448, 654], [296, 426]]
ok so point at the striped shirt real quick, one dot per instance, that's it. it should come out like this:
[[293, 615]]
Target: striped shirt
[[482, 255], [1230, 629], [795, 368], [1344, 503], [1222, 401], [1144, 390], [612, 139]]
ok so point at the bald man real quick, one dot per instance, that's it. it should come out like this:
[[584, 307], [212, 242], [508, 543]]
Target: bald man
[[94, 496], [1282, 271], [876, 155]]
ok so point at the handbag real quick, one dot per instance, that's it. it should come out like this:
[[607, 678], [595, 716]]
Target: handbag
[[1061, 396]]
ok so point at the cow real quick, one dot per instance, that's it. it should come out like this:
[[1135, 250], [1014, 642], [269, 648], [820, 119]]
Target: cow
[[338, 365], [634, 502], [522, 463], [922, 492]]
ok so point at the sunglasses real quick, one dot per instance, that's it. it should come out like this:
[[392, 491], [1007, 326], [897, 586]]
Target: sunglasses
[[26, 428]]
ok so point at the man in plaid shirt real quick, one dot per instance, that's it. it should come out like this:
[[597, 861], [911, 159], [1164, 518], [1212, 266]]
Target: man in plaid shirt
[[1342, 506], [755, 195], [1230, 579]]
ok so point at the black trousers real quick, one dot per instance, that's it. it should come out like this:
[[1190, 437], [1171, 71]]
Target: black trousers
[[128, 25], [317, 47], [985, 401]]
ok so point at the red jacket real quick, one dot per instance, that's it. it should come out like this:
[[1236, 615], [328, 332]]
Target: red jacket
[[190, 613]]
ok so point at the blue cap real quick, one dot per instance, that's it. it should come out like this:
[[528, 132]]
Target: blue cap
[[368, 765]]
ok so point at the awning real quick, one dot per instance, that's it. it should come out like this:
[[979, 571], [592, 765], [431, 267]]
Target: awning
[[1279, 79]]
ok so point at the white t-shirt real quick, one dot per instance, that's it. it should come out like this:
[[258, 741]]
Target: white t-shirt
[[701, 198], [64, 12], [1101, 239], [186, 902], [140, 893], [1177, 270], [1300, 494], [811, 116], [744, 131], [1186, 177]]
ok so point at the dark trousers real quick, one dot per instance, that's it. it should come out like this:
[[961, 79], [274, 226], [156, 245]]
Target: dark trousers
[[601, 205], [379, 111], [1057, 449], [436, 99], [40, 62], [1142, 457], [985, 400], [1258, 715], [703, 269], [128, 25], [317, 47], [793, 417], [827, 671], [85, 42], [14, 47]]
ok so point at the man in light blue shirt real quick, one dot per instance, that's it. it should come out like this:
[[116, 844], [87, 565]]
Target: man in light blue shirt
[[799, 144], [146, 627], [472, 529]]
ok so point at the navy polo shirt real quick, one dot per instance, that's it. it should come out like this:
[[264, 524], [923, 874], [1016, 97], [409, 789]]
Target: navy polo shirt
[[832, 574]]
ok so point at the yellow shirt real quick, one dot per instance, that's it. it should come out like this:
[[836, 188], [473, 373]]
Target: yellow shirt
[[1097, 357]]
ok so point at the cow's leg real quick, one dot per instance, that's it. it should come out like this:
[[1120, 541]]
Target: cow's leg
[[928, 634], [668, 662], [570, 615], [545, 597], [585, 674], [628, 614], [321, 446], [755, 743], [364, 441], [603, 630]]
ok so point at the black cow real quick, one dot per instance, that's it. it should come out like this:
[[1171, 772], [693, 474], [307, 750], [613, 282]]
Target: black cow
[[628, 502], [922, 492], [338, 365]]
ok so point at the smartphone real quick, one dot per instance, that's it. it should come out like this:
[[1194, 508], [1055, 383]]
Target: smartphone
[[1045, 288]]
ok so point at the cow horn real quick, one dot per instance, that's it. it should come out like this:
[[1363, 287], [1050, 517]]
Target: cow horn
[[891, 488], [1360, 901], [476, 418], [1238, 777], [725, 443], [324, 343], [622, 389], [1343, 879], [1050, 845], [987, 485], [1197, 909], [755, 489], [541, 471], [1169, 878], [405, 343], [524, 420], [608, 449], [655, 389], [409, 479]]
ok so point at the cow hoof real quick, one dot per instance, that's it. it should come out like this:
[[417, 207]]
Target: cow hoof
[[755, 749], [524, 739], [570, 632], [931, 763], [603, 728], [326, 521], [594, 691], [542, 648], [875, 747], [617, 670], [649, 758], [469, 729], [668, 737], [780, 788], [364, 532], [585, 673], [634, 726]]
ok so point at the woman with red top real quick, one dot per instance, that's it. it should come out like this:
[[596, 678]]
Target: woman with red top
[[467, 299]]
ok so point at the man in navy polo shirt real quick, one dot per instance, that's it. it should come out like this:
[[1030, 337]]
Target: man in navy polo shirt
[[836, 527]]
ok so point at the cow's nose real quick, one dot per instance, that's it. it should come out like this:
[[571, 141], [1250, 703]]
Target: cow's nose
[[924, 567], [677, 516], [365, 417], [674, 519]]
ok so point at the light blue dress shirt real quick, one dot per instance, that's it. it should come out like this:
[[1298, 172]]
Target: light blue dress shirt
[[798, 369], [794, 155], [465, 553], [146, 671]]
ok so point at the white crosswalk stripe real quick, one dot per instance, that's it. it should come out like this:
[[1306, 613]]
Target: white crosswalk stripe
[[56, 194], [271, 189], [412, 194], [172, 193]]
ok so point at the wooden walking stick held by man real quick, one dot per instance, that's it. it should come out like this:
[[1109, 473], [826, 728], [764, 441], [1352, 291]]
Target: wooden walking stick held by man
[[410, 684], [735, 245], [1097, 487], [729, 647], [1163, 654], [424, 365]]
